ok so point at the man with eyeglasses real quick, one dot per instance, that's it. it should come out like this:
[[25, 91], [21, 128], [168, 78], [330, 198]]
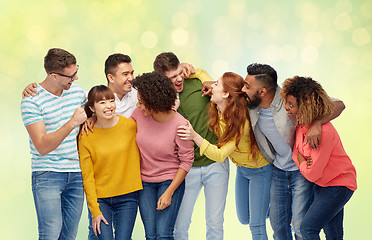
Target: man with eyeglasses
[[52, 119]]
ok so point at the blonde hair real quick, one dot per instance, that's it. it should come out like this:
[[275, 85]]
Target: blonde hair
[[313, 102]]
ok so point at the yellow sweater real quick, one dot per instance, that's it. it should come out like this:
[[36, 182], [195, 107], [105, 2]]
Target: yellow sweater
[[241, 157], [110, 162]]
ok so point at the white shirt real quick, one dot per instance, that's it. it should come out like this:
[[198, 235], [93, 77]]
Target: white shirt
[[127, 104]]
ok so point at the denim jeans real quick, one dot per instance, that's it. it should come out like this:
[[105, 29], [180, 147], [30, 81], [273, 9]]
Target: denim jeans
[[59, 198], [120, 213], [252, 196], [159, 224], [214, 178], [290, 198], [327, 212]]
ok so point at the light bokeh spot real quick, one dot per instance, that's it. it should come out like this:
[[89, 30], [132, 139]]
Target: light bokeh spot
[[343, 22], [365, 9], [123, 47], [180, 37], [149, 39], [344, 6], [314, 39], [309, 55], [255, 21], [361, 36], [289, 53], [180, 20]]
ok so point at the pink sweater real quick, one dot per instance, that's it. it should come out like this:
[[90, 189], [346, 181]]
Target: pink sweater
[[331, 165], [162, 151]]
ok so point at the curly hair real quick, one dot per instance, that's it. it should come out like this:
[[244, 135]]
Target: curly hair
[[313, 102], [265, 74], [235, 114], [58, 59], [156, 91]]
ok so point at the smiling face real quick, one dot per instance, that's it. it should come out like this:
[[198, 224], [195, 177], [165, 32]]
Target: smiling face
[[219, 94], [291, 106], [65, 82], [122, 79], [104, 109], [251, 91], [177, 78]]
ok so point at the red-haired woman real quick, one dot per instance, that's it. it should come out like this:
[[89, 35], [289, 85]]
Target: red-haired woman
[[229, 120]]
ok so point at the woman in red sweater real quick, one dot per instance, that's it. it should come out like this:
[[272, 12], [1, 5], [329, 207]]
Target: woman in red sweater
[[329, 167]]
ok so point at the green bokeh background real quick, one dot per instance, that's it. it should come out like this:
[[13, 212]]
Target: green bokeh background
[[327, 40]]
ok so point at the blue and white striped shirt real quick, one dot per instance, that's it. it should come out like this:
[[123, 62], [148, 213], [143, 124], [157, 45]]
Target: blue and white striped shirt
[[55, 112]]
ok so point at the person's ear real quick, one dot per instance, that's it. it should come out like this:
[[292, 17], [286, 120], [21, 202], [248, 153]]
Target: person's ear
[[92, 109], [110, 78], [225, 95], [262, 92]]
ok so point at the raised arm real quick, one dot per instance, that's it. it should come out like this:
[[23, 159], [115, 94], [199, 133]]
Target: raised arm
[[213, 152], [313, 135], [45, 143]]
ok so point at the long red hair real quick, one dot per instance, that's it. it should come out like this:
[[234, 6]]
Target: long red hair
[[235, 113]]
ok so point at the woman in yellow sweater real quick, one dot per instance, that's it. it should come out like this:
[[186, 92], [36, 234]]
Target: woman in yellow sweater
[[229, 119], [110, 165]]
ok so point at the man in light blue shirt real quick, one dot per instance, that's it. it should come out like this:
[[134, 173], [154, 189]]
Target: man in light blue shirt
[[291, 193], [52, 119]]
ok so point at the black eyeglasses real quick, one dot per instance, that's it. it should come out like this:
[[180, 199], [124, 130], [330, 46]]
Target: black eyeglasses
[[63, 75]]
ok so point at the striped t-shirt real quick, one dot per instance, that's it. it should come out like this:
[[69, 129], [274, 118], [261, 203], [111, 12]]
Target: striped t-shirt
[[55, 112]]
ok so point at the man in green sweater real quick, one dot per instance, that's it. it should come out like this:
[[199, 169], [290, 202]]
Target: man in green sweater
[[212, 175]]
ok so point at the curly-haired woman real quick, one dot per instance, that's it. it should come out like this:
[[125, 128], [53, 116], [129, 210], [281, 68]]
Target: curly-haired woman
[[329, 167], [229, 120], [165, 158]]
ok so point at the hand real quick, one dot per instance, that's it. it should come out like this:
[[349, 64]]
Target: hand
[[207, 88], [164, 201], [96, 222], [309, 161], [188, 69], [313, 135], [186, 132], [30, 90], [79, 117], [88, 125]]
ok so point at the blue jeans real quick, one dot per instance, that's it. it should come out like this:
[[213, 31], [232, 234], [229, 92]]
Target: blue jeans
[[91, 234], [120, 213], [159, 224], [327, 212], [59, 198], [290, 198], [214, 178], [252, 196]]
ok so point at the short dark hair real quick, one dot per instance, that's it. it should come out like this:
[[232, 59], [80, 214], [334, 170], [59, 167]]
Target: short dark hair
[[165, 61], [58, 59], [265, 74], [113, 61], [156, 91]]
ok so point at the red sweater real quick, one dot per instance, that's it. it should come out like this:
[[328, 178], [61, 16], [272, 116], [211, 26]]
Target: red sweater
[[162, 150], [331, 165]]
